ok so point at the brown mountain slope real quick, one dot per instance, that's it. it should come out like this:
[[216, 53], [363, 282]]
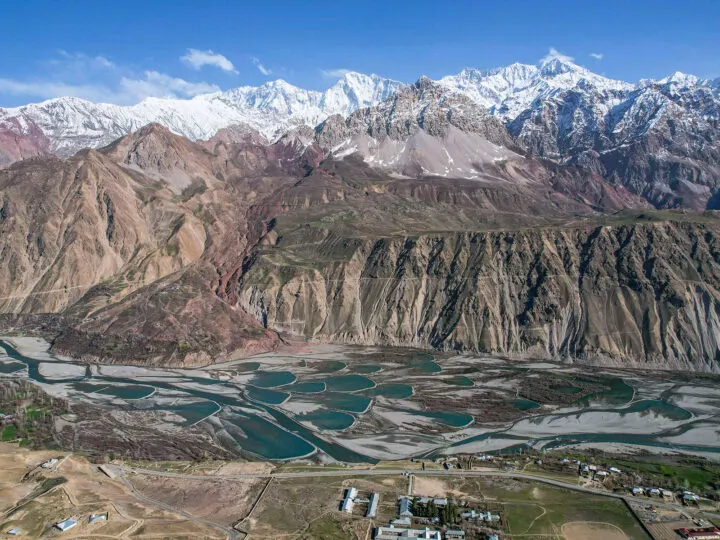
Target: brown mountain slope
[[68, 225], [637, 293], [157, 250]]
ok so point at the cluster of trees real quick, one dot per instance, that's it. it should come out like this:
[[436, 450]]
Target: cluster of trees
[[448, 514]]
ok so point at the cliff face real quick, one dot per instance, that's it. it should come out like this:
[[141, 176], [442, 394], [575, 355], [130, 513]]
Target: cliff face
[[632, 295]]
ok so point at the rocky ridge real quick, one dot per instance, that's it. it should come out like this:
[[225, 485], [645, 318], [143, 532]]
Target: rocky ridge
[[66, 125]]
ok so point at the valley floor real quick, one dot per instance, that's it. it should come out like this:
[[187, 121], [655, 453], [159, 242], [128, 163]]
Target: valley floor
[[330, 404], [228, 499]]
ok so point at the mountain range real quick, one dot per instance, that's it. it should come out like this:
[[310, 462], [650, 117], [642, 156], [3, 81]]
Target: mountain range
[[659, 138], [537, 210]]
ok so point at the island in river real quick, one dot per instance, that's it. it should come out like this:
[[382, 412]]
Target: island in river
[[360, 405]]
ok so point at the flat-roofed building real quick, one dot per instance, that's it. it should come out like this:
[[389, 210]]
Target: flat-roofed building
[[373, 505], [393, 533], [66, 524], [349, 501]]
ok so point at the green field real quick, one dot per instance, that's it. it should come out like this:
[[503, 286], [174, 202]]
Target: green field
[[533, 509], [33, 412], [699, 476], [9, 433]]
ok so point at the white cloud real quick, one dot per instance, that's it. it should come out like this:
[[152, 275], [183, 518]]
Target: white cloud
[[334, 73], [554, 54], [196, 59], [597, 55], [50, 89], [128, 91], [96, 78], [262, 69], [78, 60], [155, 84]]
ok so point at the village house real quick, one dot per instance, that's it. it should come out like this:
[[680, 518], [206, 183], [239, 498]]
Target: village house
[[406, 509], [392, 533], [703, 533], [66, 524], [349, 501]]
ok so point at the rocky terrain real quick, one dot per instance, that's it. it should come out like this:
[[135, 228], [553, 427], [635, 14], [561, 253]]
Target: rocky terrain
[[426, 220], [624, 294], [64, 126], [658, 138]]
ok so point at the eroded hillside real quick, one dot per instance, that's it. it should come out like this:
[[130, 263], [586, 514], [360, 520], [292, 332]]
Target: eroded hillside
[[634, 293]]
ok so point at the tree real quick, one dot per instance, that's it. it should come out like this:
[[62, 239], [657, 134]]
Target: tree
[[432, 510]]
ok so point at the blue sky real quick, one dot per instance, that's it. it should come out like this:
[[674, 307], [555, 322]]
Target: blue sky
[[124, 51]]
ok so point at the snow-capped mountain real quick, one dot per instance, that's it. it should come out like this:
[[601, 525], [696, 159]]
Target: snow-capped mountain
[[660, 137], [66, 125], [508, 91], [423, 129]]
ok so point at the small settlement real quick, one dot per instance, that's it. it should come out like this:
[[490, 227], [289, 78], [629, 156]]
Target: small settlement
[[664, 508], [451, 516], [428, 518]]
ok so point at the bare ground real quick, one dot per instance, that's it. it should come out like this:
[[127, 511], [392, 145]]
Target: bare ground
[[590, 530]]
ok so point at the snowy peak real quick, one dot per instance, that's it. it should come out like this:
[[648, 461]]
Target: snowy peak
[[490, 88], [275, 96], [356, 91], [70, 124], [553, 67], [510, 90], [681, 79]]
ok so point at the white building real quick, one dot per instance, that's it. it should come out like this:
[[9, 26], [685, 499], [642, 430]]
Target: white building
[[373, 505], [393, 533], [438, 501], [349, 501], [94, 518], [480, 516], [66, 525]]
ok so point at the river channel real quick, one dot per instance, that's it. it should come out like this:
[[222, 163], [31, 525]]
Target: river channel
[[279, 409]]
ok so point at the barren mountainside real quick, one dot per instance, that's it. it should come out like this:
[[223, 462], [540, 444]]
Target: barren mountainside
[[640, 294], [421, 221]]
